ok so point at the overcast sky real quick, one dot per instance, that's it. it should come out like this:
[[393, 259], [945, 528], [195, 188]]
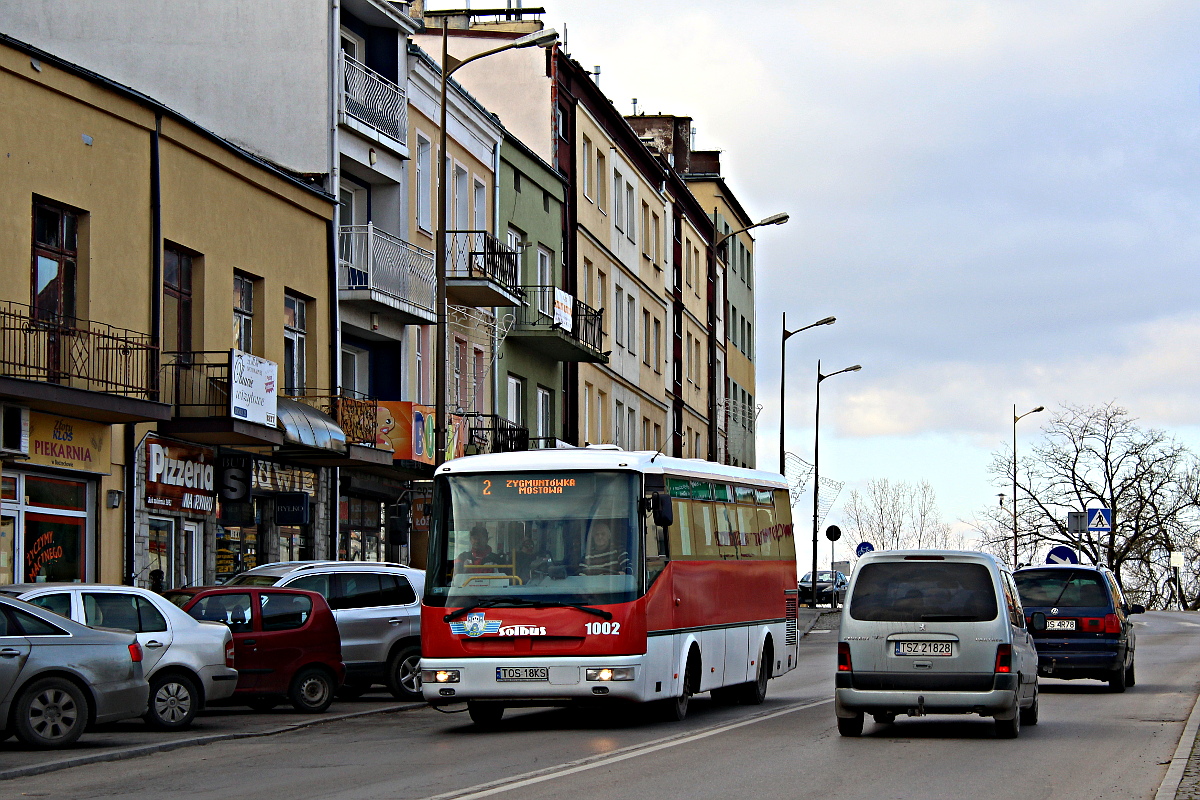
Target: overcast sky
[[998, 200]]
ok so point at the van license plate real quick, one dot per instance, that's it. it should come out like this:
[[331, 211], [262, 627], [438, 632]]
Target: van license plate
[[924, 648], [522, 673], [1060, 624]]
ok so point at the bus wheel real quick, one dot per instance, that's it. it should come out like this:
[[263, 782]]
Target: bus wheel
[[755, 692], [485, 715], [676, 709]]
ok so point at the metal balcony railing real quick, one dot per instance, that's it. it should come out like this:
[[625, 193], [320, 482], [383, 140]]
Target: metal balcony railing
[[586, 322], [374, 100], [78, 353], [479, 254], [492, 433], [355, 413], [370, 259]]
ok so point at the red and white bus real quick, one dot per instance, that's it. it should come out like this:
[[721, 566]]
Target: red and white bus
[[598, 574]]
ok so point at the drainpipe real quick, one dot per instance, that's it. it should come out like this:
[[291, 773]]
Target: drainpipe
[[130, 480], [156, 243], [334, 227], [496, 311]]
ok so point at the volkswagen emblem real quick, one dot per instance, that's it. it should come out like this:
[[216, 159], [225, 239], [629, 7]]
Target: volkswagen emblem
[[1054, 611]]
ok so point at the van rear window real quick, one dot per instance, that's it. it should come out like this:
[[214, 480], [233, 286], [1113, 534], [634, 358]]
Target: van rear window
[[924, 591], [1062, 587]]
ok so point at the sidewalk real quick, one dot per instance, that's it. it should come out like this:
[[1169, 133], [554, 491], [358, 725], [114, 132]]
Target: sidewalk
[[1183, 776], [132, 738]]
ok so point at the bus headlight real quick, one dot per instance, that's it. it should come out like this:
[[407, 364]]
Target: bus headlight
[[439, 675], [609, 674]]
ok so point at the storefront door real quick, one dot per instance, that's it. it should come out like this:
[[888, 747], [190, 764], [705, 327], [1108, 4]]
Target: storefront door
[[173, 557]]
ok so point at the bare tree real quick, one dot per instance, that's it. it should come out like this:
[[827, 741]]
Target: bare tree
[[897, 516]]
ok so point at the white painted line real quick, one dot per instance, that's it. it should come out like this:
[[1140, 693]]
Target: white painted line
[[591, 762], [824, 631], [1171, 781]]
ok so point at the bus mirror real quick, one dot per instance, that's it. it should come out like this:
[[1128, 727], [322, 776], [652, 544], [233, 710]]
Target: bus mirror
[[664, 515]]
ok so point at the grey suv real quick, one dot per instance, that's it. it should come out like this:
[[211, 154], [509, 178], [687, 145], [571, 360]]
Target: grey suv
[[378, 611]]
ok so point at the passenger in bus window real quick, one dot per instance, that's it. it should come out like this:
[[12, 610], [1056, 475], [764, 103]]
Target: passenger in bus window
[[604, 556], [480, 553], [530, 564]]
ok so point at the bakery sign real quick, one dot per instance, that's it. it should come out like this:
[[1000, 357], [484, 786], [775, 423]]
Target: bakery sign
[[179, 477]]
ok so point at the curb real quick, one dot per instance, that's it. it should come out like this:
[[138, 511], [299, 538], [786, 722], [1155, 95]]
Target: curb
[[1187, 741], [177, 744]]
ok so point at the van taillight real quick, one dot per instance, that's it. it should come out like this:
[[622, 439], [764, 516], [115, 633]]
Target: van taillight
[[229, 654], [844, 658], [1004, 658], [135, 652], [1112, 624]]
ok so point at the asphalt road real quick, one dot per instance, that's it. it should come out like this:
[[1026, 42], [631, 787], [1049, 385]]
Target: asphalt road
[[1089, 744]]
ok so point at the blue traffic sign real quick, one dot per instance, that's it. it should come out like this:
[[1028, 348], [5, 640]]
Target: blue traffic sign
[[863, 549], [1062, 555], [1099, 520]]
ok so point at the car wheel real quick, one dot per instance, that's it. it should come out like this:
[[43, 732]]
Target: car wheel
[[851, 726], [755, 692], [884, 718], [51, 712], [1029, 716], [1010, 728], [1116, 680], [485, 715], [404, 674], [262, 704], [1130, 675], [311, 690], [174, 701]]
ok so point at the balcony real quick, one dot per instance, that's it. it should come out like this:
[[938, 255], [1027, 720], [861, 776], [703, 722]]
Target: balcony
[[386, 273], [481, 271], [492, 433], [559, 326], [374, 106], [77, 367]]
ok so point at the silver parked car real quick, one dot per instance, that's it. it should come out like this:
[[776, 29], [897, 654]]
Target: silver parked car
[[934, 632], [378, 611], [188, 663], [58, 677]]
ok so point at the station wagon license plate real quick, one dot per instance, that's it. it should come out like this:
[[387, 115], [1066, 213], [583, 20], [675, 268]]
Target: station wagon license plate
[[924, 648], [1060, 624], [522, 673]]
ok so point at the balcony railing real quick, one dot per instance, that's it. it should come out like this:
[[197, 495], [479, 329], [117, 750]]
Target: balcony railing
[[374, 100], [355, 413], [586, 322], [491, 433], [77, 353], [370, 259], [479, 254]]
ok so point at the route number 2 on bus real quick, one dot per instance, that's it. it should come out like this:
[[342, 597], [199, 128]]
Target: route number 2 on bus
[[603, 628]]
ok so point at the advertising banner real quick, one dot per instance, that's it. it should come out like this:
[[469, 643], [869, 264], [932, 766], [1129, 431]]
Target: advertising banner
[[407, 429], [253, 396], [68, 443], [179, 477], [563, 306]]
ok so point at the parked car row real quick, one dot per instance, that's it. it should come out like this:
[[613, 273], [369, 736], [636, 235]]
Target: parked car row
[[951, 632], [74, 655]]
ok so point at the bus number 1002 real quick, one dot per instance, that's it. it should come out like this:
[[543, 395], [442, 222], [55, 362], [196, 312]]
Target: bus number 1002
[[604, 628]]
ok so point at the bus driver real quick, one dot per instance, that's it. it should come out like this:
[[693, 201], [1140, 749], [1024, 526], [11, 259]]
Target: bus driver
[[604, 556]]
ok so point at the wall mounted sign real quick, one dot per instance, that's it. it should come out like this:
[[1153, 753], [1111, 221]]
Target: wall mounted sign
[[291, 508], [179, 477], [68, 443], [253, 396]]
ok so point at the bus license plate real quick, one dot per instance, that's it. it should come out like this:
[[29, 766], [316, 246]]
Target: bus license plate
[[1060, 624], [924, 649], [522, 673]]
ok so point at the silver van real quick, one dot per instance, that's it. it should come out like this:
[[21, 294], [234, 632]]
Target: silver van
[[934, 632]]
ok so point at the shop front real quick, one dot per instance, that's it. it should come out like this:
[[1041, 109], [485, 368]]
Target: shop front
[[177, 491], [49, 500]]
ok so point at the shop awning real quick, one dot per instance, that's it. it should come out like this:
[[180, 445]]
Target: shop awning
[[306, 426]]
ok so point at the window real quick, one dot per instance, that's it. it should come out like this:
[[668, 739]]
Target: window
[[701, 272], [618, 202], [587, 167], [419, 348], [696, 360], [601, 182], [284, 611], [749, 340], [462, 219], [688, 355], [619, 424], [545, 277], [544, 423], [630, 213], [733, 329], [631, 321], [370, 590], [479, 369], [481, 220], [631, 430], [230, 609], [587, 413], [657, 345], [588, 277], [687, 263], [646, 432], [356, 370], [129, 612], [515, 237], [460, 371], [912, 591], [516, 400], [177, 300], [243, 313], [657, 437], [655, 236], [619, 317], [424, 185], [601, 288], [646, 239], [646, 340], [601, 407], [294, 354], [55, 260]]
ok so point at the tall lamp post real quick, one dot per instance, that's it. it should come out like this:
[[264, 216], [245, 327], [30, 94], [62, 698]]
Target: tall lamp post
[[450, 65], [1017, 419], [783, 374], [817, 471]]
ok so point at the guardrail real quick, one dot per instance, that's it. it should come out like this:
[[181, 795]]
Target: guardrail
[[587, 324], [374, 100], [479, 254], [371, 259]]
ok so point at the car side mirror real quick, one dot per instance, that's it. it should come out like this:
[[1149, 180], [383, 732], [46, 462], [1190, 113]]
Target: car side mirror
[[664, 514], [1037, 621], [1137, 609]]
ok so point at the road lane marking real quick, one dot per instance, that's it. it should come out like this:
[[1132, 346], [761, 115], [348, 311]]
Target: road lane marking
[[633, 751]]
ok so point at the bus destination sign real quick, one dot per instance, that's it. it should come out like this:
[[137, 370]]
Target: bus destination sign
[[528, 486]]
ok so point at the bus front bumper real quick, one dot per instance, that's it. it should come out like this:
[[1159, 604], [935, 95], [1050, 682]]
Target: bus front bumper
[[566, 680]]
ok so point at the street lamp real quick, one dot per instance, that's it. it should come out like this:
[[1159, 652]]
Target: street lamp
[[817, 470], [1017, 419], [450, 65], [783, 374], [774, 219]]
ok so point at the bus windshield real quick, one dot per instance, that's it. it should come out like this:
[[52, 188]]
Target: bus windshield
[[551, 537]]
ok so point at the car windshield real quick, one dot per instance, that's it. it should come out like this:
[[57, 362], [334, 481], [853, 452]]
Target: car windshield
[[248, 579], [1061, 587], [547, 537], [821, 576], [924, 591], [179, 598]]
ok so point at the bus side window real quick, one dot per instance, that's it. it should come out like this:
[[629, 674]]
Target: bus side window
[[681, 529], [656, 547], [786, 545], [727, 533], [768, 545], [704, 539], [748, 546]]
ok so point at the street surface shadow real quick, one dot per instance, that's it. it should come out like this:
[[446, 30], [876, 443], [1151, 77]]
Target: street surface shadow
[[934, 728], [630, 717], [1082, 687]]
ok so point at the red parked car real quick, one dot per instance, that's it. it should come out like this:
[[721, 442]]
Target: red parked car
[[286, 642]]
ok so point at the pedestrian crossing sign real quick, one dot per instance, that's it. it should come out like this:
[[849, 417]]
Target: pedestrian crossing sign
[[1099, 520]]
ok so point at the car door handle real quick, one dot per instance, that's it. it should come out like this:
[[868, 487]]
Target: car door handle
[[9, 652], [154, 644], [396, 620], [249, 641]]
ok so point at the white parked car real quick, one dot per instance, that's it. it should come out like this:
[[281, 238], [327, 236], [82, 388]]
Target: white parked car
[[187, 663]]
